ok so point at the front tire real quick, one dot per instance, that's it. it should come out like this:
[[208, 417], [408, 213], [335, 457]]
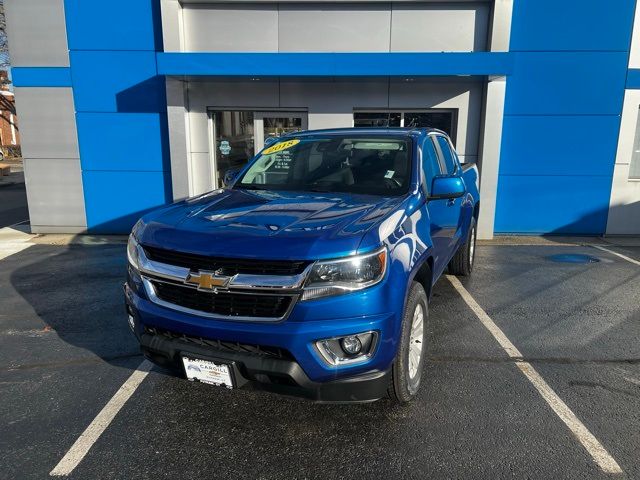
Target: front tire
[[462, 262], [406, 372]]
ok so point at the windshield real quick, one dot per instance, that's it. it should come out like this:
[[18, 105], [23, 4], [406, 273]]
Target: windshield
[[371, 165]]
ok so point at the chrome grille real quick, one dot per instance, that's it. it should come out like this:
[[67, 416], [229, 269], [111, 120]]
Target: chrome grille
[[224, 303], [226, 266]]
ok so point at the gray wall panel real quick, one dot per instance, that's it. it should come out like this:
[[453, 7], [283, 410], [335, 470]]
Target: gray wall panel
[[54, 194], [231, 28], [37, 33], [47, 122], [329, 104], [334, 28], [339, 96], [329, 27], [178, 135], [420, 27]]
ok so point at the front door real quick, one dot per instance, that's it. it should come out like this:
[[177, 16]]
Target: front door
[[239, 135], [275, 124]]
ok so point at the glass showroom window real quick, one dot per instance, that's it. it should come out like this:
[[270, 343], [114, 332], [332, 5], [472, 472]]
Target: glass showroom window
[[634, 167], [442, 119]]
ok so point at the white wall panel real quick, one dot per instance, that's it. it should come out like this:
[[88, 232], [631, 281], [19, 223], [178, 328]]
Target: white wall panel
[[338, 96], [47, 122], [328, 26], [37, 33], [634, 56], [230, 28], [420, 27], [54, 194], [177, 115], [624, 206], [334, 28]]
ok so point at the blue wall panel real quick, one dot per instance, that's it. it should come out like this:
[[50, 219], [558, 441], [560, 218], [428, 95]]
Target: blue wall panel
[[562, 115], [559, 145], [552, 83], [113, 25], [552, 204], [553, 25], [633, 78], [117, 82], [345, 64], [120, 109], [41, 76], [122, 141], [116, 200]]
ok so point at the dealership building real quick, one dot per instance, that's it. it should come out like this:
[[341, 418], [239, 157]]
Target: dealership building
[[130, 104]]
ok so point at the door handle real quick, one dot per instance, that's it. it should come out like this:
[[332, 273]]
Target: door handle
[[451, 202]]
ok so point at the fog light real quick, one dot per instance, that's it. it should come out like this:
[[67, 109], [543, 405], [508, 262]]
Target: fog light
[[349, 349], [132, 323], [351, 345]]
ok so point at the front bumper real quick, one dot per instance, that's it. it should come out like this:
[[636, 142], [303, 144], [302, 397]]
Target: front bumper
[[278, 375], [304, 372]]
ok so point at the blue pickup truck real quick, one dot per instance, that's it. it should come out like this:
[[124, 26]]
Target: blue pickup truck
[[310, 273]]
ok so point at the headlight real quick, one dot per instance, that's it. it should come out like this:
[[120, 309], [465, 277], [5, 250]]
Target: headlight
[[132, 252], [334, 277]]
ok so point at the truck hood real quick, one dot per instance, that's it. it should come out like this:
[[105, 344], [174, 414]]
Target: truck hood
[[266, 224]]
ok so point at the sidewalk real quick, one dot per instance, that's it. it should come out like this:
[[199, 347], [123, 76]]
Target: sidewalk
[[15, 177]]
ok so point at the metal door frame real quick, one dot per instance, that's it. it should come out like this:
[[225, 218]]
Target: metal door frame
[[258, 123]]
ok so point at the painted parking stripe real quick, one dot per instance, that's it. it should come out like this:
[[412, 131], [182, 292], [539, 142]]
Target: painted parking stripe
[[8, 249], [624, 257], [600, 455], [84, 443]]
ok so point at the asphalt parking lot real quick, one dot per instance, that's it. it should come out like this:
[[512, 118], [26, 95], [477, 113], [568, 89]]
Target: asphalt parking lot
[[65, 350]]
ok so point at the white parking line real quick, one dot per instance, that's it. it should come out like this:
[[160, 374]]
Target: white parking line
[[91, 434], [605, 461], [624, 257], [8, 249]]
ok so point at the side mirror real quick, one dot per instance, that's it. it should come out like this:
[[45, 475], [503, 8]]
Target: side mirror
[[230, 175], [447, 187]]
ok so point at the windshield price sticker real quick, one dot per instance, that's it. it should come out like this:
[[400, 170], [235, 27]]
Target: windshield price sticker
[[278, 147]]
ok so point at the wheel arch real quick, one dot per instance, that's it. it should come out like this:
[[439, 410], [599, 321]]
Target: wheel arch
[[423, 274]]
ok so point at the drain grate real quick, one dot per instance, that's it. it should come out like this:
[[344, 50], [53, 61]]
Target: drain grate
[[573, 258]]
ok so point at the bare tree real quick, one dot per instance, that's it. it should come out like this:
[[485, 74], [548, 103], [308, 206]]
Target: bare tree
[[5, 62]]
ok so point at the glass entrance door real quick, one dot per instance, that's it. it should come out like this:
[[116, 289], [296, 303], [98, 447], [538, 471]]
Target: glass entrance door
[[276, 124], [239, 135]]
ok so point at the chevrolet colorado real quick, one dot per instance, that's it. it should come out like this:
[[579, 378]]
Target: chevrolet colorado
[[310, 273]]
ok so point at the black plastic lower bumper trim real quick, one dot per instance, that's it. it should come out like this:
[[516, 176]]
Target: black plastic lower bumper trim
[[275, 375]]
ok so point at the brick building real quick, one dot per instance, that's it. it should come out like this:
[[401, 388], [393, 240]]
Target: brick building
[[9, 133]]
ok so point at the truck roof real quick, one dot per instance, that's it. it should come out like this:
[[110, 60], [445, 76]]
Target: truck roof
[[408, 131]]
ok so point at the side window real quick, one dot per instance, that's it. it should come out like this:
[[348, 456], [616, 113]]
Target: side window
[[447, 155], [430, 163]]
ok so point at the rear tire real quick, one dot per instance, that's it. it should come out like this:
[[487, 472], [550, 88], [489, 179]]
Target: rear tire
[[406, 371], [462, 262]]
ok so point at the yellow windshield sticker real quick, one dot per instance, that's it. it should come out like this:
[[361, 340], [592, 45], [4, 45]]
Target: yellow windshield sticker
[[278, 147]]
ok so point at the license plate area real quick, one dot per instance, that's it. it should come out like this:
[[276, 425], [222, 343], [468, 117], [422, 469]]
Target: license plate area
[[208, 371]]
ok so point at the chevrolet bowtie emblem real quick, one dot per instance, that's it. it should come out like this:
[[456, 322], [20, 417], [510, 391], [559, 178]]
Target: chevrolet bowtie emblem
[[208, 281]]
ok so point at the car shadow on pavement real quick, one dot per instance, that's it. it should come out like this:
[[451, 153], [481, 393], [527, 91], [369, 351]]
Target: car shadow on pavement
[[74, 291]]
